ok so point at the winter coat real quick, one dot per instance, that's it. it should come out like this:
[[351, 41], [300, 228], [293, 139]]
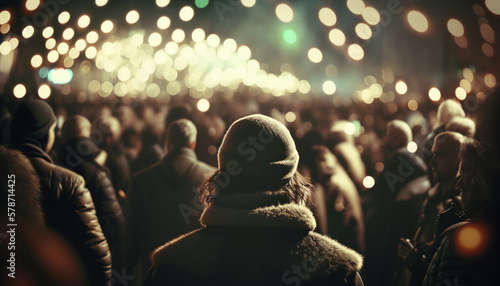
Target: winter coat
[[454, 264], [108, 209], [252, 239], [161, 204], [68, 208]]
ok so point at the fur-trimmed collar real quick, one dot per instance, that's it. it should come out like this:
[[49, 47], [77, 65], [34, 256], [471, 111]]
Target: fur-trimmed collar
[[268, 209]]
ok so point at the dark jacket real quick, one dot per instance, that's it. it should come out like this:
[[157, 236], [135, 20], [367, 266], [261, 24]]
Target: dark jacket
[[69, 209], [109, 211], [162, 203], [249, 240]]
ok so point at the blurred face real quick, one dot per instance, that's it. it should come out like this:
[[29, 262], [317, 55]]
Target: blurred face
[[445, 160]]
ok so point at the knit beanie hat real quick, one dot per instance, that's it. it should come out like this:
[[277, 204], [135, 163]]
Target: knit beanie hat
[[258, 148], [32, 119]]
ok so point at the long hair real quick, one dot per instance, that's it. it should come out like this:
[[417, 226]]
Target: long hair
[[297, 189]]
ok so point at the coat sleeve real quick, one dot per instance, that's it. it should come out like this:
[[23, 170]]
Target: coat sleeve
[[95, 252], [108, 210], [133, 230]]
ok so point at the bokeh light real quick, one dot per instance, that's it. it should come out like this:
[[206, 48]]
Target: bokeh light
[[203, 105], [363, 31], [315, 55], [417, 21], [162, 3], [289, 36], [83, 21], [163, 22], [368, 182], [68, 34], [336, 37], [460, 93], [186, 13], [28, 31], [401, 87], [356, 6], [48, 32], [4, 17], [201, 3], [107, 26], [64, 17], [132, 17], [434, 94], [356, 52], [290, 116], [329, 87], [248, 3], [100, 3], [455, 27], [413, 105], [371, 15], [349, 128], [32, 4], [44, 91], [284, 12], [36, 61], [412, 147], [493, 6], [327, 16], [19, 90], [490, 80]]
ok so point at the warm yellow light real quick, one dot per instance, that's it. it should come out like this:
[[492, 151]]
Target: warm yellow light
[[468, 74], [356, 52], [490, 80], [154, 39], [329, 87], [32, 4], [50, 43], [412, 147], [132, 17], [28, 31], [493, 6], [469, 237], [315, 55], [44, 91], [368, 182], [284, 12], [171, 48], [36, 61], [4, 17], [81, 44], [356, 6], [327, 16], [74, 53], [371, 16], [162, 3], [248, 3], [336, 37], [198, 35], [203, 105], [244, 52], [434, 94], [19, 90], [460, 93], [5, 28], [100, 3], [83, 21], [178, 35], [363, 31], [455, 27], [304, 86], [461, 42], [48, 32], [68, 34], [92, 37], [413, 105], [64, 17], [418, 21], [401, 87], [52, 56], [91, 52], [186, 13], [163, 22], [107, 26], [465, 84], [62, 48], [213, 40]]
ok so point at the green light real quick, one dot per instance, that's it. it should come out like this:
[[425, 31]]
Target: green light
[[290, 36], [201, 3]]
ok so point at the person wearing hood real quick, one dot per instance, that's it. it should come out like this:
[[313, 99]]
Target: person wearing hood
[[66, 203]]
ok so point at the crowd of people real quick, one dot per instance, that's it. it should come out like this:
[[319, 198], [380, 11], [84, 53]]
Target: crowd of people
[[141, 193]]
